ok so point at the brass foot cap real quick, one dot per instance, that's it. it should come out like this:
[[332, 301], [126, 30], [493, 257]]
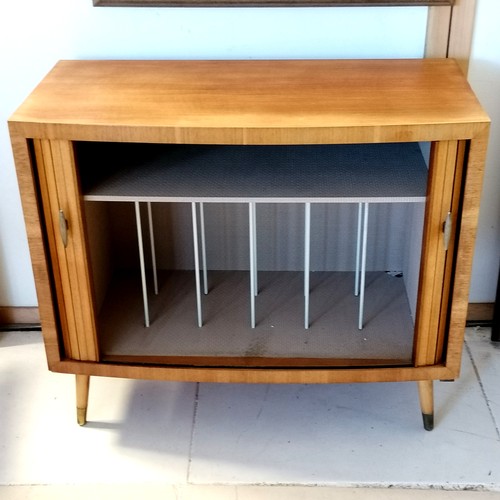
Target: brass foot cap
[[81, 416]]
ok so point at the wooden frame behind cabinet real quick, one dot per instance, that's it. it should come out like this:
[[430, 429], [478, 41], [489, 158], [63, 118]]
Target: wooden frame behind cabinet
[[449, 31], [268, 3]]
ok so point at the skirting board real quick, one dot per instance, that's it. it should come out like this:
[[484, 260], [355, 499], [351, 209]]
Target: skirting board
[[21, 316], [480, 313]]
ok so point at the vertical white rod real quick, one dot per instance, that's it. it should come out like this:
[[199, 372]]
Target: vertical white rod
[[358, 250], [153, 251], [363, 268], [203, 249], [307, 261], [196, 264], [251, 233], [256, 283], [141, 261]]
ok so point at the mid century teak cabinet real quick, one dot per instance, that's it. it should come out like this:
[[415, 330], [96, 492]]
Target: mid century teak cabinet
[[98, 141]]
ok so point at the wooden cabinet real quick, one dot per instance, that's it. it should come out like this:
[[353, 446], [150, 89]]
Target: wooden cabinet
[[231, 145]]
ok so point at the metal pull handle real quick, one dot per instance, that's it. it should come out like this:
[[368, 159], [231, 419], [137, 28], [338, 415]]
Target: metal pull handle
[[63, 228], [447, 227]]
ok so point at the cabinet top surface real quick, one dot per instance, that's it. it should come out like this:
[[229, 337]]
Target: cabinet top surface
[[252, 101]]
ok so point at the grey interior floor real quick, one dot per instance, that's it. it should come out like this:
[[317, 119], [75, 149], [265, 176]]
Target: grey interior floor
[[387, 335], [184, 440]]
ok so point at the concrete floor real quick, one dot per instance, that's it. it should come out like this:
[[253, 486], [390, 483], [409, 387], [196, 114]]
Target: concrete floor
[[188, 441]]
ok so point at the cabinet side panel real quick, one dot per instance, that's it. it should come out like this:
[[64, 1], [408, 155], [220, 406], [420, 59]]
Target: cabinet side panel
[[39, 256], [473, 181]]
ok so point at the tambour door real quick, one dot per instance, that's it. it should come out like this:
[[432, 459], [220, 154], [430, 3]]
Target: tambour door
[[60, 193], [444, 193]]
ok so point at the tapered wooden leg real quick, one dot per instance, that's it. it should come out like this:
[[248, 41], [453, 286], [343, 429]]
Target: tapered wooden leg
[[426, 395], [82, 398]]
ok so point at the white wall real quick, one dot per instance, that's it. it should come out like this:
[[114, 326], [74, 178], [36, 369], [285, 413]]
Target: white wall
[[484, 76], [34, 34]]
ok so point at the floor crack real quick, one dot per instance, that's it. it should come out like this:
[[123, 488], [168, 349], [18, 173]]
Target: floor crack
[[191, 439], [483, 391]]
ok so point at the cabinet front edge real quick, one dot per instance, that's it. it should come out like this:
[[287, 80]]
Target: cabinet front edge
[[260, 375]]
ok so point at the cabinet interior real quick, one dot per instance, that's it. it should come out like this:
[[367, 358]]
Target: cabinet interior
[[279, 181]]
